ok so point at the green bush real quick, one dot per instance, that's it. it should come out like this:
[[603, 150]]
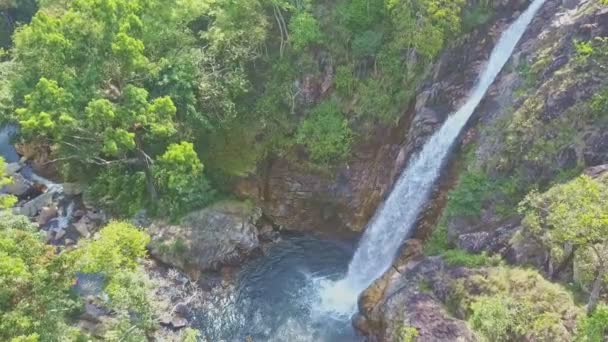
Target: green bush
[[437, 243], [595, 327], [361, 15], [304, 30], [467, 198], [326, 134], [367, 43], [118, 247], [515, 304], [179, 178], [459, 257], [346, 82], [6, 201], [494, 317], [408, 334], [121, 192], [37, 301], [474, 188], [476, 16]]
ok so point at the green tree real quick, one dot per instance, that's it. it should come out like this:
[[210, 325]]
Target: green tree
[[326, 134], [574, 213], [594, 328], [96, 81], [179, 175], [35, 297], [304, 30], [37, 302]]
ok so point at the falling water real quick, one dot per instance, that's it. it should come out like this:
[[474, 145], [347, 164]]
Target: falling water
[[395, 219]]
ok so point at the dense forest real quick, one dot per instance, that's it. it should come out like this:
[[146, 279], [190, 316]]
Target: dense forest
[[162, 107]]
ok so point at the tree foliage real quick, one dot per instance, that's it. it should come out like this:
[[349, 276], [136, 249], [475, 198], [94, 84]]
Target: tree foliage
[[574, 214], [325, 133], [97, 81], [304, 30], [37, 299]]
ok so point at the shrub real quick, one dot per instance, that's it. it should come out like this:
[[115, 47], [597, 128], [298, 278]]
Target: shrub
[[467, 197], [326, 134], [494, 317], [437, 243], [407, 334], [459, 257], [120, 192], [595, 327], [476, 16], [367, 43], [361, 15], [6, 201], [118, 247], [35, 297], [514, 304], [304, 30], [345, 80], [181, 184]]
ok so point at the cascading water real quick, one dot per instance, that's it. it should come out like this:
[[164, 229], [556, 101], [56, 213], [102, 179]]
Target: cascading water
[[394, 220]]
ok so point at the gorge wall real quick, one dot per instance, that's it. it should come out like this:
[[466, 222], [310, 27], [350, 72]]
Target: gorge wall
[[345, 198]]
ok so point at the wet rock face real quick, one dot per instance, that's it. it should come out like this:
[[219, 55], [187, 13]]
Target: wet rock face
[[222, 234], [345, 198]]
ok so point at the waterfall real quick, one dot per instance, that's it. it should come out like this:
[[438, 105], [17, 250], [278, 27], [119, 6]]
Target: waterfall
[[395, 219]]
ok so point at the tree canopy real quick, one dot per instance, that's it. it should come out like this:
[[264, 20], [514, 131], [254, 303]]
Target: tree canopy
[[573, 214]]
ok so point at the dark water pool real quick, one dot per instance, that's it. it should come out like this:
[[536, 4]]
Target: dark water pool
[[277, 296]]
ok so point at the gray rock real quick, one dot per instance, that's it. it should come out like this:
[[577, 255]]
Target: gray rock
[[13, 168], [597, 171], [222, 234], [19, 185], [569, 4], [83, 226], [46, 214], [34, 206], [179, 322]]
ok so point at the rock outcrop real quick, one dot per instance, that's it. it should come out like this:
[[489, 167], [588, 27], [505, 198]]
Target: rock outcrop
[[437, 297], [396, 300], [223, 234]]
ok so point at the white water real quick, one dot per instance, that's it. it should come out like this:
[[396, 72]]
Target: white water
[[395, 219]]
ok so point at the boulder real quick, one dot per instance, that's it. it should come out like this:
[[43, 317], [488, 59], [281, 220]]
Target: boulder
[[219, 235], [18, 187], [35, 205], [84, 226], [46, 214], [12, 168]]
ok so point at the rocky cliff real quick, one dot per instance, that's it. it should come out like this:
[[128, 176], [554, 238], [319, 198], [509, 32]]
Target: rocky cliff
[[345, 198]]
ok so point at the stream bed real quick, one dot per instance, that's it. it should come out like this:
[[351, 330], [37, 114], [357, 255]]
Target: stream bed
[[276, 297]]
